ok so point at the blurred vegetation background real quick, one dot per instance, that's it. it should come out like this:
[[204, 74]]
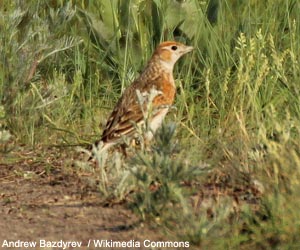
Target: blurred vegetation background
[[64, 64]]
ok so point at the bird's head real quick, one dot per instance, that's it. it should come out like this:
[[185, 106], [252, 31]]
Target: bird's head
[[169, 52]]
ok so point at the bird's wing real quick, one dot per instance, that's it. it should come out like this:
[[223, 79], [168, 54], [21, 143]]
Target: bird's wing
[[129, 110]]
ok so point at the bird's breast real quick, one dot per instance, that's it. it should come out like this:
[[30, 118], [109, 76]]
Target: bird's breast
[[167, 88]]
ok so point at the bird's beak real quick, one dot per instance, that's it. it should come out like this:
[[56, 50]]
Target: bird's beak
[[187, 49]]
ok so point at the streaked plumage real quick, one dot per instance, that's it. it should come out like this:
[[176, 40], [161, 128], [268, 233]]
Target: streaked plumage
[[157, 76]]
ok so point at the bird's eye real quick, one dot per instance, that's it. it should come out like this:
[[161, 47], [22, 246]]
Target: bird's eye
[[174, 47]]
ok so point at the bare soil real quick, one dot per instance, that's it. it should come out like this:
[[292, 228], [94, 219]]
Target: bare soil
[[43, 197]]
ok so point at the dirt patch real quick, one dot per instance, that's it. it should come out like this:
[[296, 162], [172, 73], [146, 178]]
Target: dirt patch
[[42, 198]]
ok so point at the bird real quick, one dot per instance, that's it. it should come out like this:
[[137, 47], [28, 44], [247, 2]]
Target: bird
[[154, 88]]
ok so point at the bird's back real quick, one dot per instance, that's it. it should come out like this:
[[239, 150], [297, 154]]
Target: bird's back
[[128, 110]]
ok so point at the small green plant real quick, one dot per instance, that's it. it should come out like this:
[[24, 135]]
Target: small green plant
[[160, 177]]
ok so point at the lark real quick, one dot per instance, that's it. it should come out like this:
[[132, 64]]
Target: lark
[[156, 85]]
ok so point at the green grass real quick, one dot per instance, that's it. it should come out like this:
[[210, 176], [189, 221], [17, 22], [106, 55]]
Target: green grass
[[64, 65]]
